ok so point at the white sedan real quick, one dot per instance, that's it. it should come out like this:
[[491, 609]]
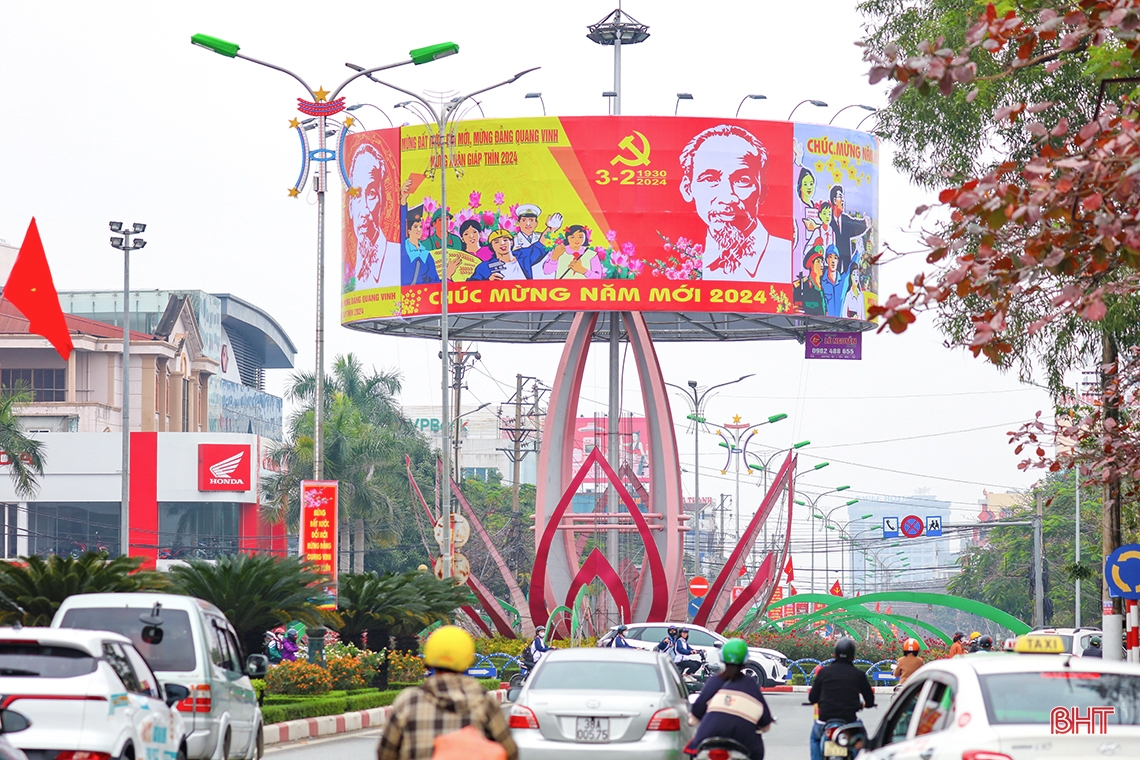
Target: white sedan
[[1013, 706], [88, 695], [767, 666]]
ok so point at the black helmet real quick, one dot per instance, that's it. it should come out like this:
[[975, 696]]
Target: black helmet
[[958, 635], [622, 628], [672, 629], [986, 642], [845, 649]]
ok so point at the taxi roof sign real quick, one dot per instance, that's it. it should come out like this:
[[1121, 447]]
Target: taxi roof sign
[[1039, 644]]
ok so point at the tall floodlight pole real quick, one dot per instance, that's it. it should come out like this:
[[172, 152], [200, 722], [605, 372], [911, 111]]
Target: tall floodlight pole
[[323, 106], [123, 242], [443, 119], [616, 29]]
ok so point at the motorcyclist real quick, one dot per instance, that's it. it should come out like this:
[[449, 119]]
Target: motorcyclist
[[536, 647], [289, 646], [669, 643], [730, 706], [837, 689], [619, 641], [684, 657], [909, 662], [956, 648], [444, 703], [973, 645], [985, 644], [1093, 649], [273, 646]]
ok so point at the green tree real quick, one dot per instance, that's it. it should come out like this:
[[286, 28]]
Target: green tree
[[255, 591], [33, 588], [25, 455], [366, 440], [1000, 572], [491, 501]]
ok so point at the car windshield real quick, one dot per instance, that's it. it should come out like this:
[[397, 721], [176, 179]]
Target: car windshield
[[598, 675], [175, 653], [1031, 697], [32, 660]]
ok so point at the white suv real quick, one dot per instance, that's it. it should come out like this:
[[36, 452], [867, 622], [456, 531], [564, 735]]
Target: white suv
[[88, 695], [767, 666]]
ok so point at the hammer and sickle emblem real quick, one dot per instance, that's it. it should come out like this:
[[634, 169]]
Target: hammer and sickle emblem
[[640, 156]]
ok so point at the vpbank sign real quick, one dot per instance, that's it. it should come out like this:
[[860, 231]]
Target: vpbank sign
[[224, 467]]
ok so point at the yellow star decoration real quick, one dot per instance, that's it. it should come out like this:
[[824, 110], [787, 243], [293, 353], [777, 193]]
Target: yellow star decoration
[[354, 192], [349, 121], [321, 94], [736, 418], [293, 124], [293, 192]]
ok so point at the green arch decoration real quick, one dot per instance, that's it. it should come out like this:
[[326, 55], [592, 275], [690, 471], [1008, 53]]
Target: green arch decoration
[[971, 606], [881, 623]]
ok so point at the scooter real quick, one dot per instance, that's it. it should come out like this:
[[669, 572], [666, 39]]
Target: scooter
[[720, 748], [695, 681], [843, 740]]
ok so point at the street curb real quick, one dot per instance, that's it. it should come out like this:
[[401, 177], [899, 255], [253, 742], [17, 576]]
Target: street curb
[[308, 728], [806, 689]]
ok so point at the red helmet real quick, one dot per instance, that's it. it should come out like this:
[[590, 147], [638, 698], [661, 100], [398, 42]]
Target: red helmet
[[911, 645]]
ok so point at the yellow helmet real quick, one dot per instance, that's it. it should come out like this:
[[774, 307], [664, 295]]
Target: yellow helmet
[[449, 648], [974, 636]]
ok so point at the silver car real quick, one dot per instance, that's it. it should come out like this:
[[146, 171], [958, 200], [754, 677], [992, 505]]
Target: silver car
[[601, 703]]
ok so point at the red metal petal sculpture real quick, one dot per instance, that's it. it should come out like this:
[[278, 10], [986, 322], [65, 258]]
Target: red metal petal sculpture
[[744, 601], [597, 566], [660, 603]]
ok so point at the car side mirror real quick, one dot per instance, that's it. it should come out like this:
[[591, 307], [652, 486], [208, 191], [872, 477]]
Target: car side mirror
[[174, 693], [12, 721], [718, 644], [513, 693], [256, 666]]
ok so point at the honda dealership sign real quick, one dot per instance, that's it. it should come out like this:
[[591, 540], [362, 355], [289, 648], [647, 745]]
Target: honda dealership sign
[[224, 467]]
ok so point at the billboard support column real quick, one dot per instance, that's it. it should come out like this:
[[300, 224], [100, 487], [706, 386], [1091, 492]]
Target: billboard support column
[[613, 450]]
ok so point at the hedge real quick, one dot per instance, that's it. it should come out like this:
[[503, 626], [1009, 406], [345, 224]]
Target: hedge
[[318, 706], [282, 707]]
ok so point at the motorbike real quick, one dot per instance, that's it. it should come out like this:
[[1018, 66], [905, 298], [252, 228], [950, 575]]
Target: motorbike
[[719, 748], [843, 740], [695, 681]]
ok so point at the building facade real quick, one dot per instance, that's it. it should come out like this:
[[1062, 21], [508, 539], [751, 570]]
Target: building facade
[[196, 464]]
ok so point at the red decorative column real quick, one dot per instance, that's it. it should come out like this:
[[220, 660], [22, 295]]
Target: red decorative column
[[144, 498]]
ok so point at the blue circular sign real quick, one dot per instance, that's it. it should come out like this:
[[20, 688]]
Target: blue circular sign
[[1122, 572], [911, 526]]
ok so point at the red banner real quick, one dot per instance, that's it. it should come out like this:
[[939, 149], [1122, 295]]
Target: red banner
[[774, 612], [319, 503]]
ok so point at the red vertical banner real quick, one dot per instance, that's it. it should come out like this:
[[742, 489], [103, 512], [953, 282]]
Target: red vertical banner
[[319, 499], [776, 612]]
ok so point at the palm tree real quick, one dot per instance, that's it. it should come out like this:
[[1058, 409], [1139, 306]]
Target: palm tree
[[25, 455], [366, 439], [255, 591], [33, 588]]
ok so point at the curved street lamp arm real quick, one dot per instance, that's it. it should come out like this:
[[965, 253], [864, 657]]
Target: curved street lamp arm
[[360, 72], [721, 385], [275, 67], [454, 104], [841, 110], [409, 93], [740, 106]]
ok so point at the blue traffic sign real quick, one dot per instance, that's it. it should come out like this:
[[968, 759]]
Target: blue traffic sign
[[695, 606], [884, 676], [934, 525], [487, 671], [1122, 572], [890, 527]]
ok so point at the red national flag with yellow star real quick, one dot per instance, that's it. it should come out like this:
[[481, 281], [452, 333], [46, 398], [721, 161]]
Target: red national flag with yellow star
[[31, 290]]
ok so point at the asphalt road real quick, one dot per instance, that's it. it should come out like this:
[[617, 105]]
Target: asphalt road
[[787, 739]]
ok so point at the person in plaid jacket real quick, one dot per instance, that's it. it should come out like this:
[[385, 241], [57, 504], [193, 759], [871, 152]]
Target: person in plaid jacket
[[446, 701]]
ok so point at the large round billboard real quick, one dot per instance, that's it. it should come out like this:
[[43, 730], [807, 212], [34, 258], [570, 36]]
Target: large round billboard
[[713, 228]]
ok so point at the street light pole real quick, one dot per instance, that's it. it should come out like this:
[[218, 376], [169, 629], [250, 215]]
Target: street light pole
[[321, 156], [122, 241], [738, 449], [444, 118]]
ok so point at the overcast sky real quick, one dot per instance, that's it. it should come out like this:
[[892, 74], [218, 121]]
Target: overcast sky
[[112, 114]]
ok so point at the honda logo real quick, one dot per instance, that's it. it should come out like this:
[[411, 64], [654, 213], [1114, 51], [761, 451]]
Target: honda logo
[[224, 467]]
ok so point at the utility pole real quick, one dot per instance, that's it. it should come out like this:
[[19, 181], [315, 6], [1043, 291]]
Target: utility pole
[[516, 460], [461, 360], [524, 441]]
